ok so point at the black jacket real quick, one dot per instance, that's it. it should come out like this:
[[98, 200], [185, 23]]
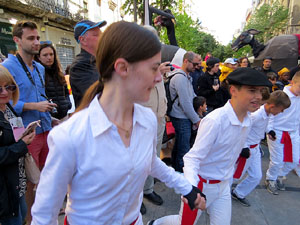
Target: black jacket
[[59, 94], [261, 69], [213, 98], [83, 74], [10, 152]]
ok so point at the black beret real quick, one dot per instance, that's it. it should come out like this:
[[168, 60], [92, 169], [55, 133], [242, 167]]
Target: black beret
[[212, 61], [248, 76], [267, 57]]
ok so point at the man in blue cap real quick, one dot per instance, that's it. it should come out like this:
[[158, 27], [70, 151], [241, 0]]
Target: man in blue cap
[[83, 72]]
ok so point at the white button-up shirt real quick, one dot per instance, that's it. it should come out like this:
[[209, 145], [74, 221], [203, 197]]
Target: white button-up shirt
[[259, 120], [289, 119], [220, 139], [104, 179]]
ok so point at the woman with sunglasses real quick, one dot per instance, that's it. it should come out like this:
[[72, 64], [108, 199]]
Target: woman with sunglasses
[[103, 154], [12, 172], [55, 83]]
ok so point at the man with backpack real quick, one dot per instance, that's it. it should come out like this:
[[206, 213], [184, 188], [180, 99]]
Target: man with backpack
[[182, 113]]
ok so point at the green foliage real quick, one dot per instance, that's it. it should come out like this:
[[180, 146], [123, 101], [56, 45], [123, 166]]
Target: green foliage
[[160, 4], [190, 37], [223, 52], [245, 51], [188, 31], [270, 19]]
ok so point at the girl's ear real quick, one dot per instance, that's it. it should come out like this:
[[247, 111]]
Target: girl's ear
[[121, 67]]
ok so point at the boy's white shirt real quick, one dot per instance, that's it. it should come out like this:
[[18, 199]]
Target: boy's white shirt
[[289, 119], [259, 123], [220, 139]]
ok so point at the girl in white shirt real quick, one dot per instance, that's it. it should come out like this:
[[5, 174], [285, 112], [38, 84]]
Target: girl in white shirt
[[103, 154]]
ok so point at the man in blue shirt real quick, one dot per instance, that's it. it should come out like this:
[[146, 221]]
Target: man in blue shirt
[[197, 73], [33, 104]]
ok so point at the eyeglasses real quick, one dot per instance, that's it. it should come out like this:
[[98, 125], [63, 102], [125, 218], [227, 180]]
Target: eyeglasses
[[46, 42], [194, 63], [8, 88]]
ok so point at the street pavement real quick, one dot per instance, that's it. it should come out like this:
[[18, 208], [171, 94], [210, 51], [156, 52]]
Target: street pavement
[[266, 209]]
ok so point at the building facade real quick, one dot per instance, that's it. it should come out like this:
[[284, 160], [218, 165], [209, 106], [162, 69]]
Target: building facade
[[55, 20], [294, 13]]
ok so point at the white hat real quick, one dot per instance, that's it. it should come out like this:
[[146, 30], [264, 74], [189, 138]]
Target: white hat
[[230, 61]]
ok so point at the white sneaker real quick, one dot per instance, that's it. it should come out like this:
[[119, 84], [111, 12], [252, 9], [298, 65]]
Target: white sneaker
[[280, 184], [271, 186]]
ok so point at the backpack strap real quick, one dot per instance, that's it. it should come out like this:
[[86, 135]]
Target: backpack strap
[[169, 87]]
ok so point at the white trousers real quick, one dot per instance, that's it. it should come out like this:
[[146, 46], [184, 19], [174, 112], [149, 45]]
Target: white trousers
[[276, 166], [218, 206], [254, 174]]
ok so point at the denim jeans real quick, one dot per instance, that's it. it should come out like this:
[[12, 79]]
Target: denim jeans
[[20, 218], [183, 128]]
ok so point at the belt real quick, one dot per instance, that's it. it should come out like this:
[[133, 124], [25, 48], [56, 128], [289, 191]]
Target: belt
[[208, 181], [253, 146], [67, 223]]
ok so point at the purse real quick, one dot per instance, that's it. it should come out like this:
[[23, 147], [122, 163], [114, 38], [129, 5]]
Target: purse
[[32, 171]]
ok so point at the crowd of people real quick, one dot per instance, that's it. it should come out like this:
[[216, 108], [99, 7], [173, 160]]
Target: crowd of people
[[106, 155]]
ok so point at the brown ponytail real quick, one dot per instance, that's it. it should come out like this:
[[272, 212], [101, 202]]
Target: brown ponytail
[[120, 40], [90, 94]]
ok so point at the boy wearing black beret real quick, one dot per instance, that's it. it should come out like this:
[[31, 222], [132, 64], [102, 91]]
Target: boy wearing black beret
[[221, 136], [276, 103]]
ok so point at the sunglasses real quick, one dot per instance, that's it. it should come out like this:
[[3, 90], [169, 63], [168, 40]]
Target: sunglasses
[[194, 64], [8, 88], [46, 42]]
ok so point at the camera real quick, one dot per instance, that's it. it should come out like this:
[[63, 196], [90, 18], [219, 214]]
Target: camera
[[54, 110], [171, 66]]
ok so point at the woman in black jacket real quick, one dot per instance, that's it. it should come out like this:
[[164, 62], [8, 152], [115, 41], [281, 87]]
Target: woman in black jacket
[[12, 171], [55, 83]]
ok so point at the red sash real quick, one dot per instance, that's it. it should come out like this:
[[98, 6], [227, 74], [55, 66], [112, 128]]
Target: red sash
[[288, 147], [241, 162], [189, 216]]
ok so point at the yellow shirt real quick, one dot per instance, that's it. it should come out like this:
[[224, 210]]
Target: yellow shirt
[[225, 71]]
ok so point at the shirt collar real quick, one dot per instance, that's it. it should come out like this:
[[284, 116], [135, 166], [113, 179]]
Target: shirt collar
[[11, 56], [99, 122], [264, 113], [233, 118], [288, 92], [97, 117]]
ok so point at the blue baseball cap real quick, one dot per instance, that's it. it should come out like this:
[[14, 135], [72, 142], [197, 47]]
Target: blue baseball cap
[[84, 25]]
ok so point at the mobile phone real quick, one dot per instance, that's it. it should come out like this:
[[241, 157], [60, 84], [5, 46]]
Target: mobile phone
[[216, 81], [171, 66], [30, 128]]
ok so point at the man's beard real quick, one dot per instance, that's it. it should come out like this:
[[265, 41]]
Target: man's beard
[[190, 70], [31, 52]]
